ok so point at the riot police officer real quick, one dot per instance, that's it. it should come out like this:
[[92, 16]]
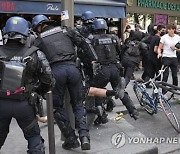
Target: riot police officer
[[86, 31], [58, 45], [86, 28], [22, 69], [107, 48]]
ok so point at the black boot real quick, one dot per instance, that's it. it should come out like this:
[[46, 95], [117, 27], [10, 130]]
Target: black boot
[[71, 143], [67, 131], [85, 143], [101, 119], [135, 114]]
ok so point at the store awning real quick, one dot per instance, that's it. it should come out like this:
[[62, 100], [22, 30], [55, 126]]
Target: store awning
[[30, 7], [101, 8], [101, 11]]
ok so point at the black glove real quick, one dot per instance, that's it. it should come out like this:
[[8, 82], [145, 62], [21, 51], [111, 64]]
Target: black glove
[[177, 45]]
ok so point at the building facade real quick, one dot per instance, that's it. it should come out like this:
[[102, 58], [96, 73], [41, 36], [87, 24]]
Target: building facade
[[153, 11]]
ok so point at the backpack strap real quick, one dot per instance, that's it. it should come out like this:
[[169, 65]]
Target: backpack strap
[[10, 56], [30, 51]]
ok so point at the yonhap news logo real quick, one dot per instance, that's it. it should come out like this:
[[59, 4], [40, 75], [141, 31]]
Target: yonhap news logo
[[120, 139]]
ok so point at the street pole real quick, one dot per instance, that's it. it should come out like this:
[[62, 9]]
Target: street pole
[[50, 117], [69, 6]]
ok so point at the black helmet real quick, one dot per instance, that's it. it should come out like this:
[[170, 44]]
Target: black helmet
[[99, 24]]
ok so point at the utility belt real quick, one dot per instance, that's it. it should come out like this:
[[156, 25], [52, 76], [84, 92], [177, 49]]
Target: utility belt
[[18, 96], [107, 63]]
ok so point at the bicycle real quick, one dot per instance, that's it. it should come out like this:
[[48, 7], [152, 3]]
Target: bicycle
[[151, 103]]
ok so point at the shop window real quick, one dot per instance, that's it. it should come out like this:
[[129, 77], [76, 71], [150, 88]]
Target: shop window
[[144, 20]]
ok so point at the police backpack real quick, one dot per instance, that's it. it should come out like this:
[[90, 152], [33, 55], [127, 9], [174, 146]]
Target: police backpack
[[13, 72]]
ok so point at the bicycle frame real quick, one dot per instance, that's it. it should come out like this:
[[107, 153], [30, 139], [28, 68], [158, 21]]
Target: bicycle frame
[[143, 90], [157, 96]]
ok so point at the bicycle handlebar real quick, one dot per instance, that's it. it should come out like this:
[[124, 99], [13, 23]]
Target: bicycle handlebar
[[170, 89], [160, 73], [167, 84]]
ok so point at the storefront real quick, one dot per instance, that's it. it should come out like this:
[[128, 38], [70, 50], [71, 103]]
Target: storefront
[[146, 12], [114, 9], [101, 8]]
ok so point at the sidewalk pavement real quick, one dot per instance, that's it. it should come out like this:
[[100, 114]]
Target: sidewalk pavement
[[109, 138]]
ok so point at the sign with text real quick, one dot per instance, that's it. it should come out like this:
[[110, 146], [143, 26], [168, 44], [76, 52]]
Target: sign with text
[[161, 19], [159, 5], [30, 7]]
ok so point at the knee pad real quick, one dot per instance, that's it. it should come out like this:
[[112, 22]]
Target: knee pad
[[39, 149], [63, 125]]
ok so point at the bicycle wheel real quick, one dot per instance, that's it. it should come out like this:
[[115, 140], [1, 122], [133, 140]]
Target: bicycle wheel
[[138, 94], [143, 100], [170, 114]]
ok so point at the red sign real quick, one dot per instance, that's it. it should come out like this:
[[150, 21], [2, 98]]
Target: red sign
[[7, 6]]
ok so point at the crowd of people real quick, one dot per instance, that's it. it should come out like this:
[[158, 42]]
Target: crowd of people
[[43, 57]]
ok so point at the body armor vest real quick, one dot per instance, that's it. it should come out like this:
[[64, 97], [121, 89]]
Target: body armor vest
[[104, 46], [54, 45]]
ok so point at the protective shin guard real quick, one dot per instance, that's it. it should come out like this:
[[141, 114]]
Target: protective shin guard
[[65, 128]]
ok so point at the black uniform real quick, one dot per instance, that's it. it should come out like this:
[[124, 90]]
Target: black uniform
[[58, 45], [107, 48], [86, 31], [154, 62], [133, 51], [15, 103]]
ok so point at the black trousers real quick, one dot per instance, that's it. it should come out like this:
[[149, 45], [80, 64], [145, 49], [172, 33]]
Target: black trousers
[[110, 73], [129, 68], [171, 63], [24, 115], [154, 67]]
